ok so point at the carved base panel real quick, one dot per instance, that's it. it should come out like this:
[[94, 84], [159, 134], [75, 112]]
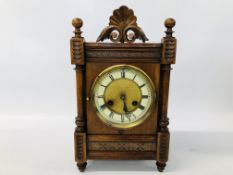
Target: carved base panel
[[121, 146]]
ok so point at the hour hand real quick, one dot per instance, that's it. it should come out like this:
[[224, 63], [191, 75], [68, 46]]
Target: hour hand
[[125, 109]]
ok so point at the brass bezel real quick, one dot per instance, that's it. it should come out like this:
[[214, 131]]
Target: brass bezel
[[119, 125]]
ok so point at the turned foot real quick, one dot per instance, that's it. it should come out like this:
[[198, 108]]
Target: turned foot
[[82, 166], [160, 166]]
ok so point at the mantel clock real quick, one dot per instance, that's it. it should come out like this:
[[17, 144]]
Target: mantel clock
[[122, 92]]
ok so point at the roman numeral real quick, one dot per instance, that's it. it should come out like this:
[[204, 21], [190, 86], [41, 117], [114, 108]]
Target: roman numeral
[[142, 85], [128, 116], [111, 77], [134, 77], [145, 96], [122, 117], [141, 107], [100, 96], [111, 114], [123, 73], [102, 107], [134, 116], [103, 85]]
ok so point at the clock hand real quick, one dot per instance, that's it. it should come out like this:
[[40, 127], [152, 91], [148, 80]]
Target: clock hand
[[125, 109]]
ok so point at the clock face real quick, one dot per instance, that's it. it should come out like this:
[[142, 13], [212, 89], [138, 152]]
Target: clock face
[[123, 96]]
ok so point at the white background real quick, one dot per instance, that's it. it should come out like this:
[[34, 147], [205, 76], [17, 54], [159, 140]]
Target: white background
[[37, 84]]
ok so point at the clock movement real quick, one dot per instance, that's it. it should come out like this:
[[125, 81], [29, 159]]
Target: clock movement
[[122, 92]]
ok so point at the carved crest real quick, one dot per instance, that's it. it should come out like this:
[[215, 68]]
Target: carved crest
[[122, 27]]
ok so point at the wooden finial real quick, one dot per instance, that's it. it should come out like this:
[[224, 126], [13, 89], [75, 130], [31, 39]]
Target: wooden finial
[[169, 24], [77, 23]]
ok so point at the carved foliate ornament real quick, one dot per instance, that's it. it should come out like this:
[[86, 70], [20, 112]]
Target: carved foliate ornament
[[122, 27]]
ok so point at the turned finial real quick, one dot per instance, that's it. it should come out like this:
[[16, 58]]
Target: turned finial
[[169, 24], [77, 23]]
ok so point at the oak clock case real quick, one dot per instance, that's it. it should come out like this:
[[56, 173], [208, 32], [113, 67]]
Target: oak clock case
[[122, 92]]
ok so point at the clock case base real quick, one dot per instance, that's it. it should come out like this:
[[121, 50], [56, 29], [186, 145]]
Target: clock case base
[[120, 145]]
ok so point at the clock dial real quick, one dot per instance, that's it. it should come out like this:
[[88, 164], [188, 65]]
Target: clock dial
[[123, 96]]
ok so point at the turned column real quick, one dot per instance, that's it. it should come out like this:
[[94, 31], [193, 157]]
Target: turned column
[[168, 58], [77, 58]]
